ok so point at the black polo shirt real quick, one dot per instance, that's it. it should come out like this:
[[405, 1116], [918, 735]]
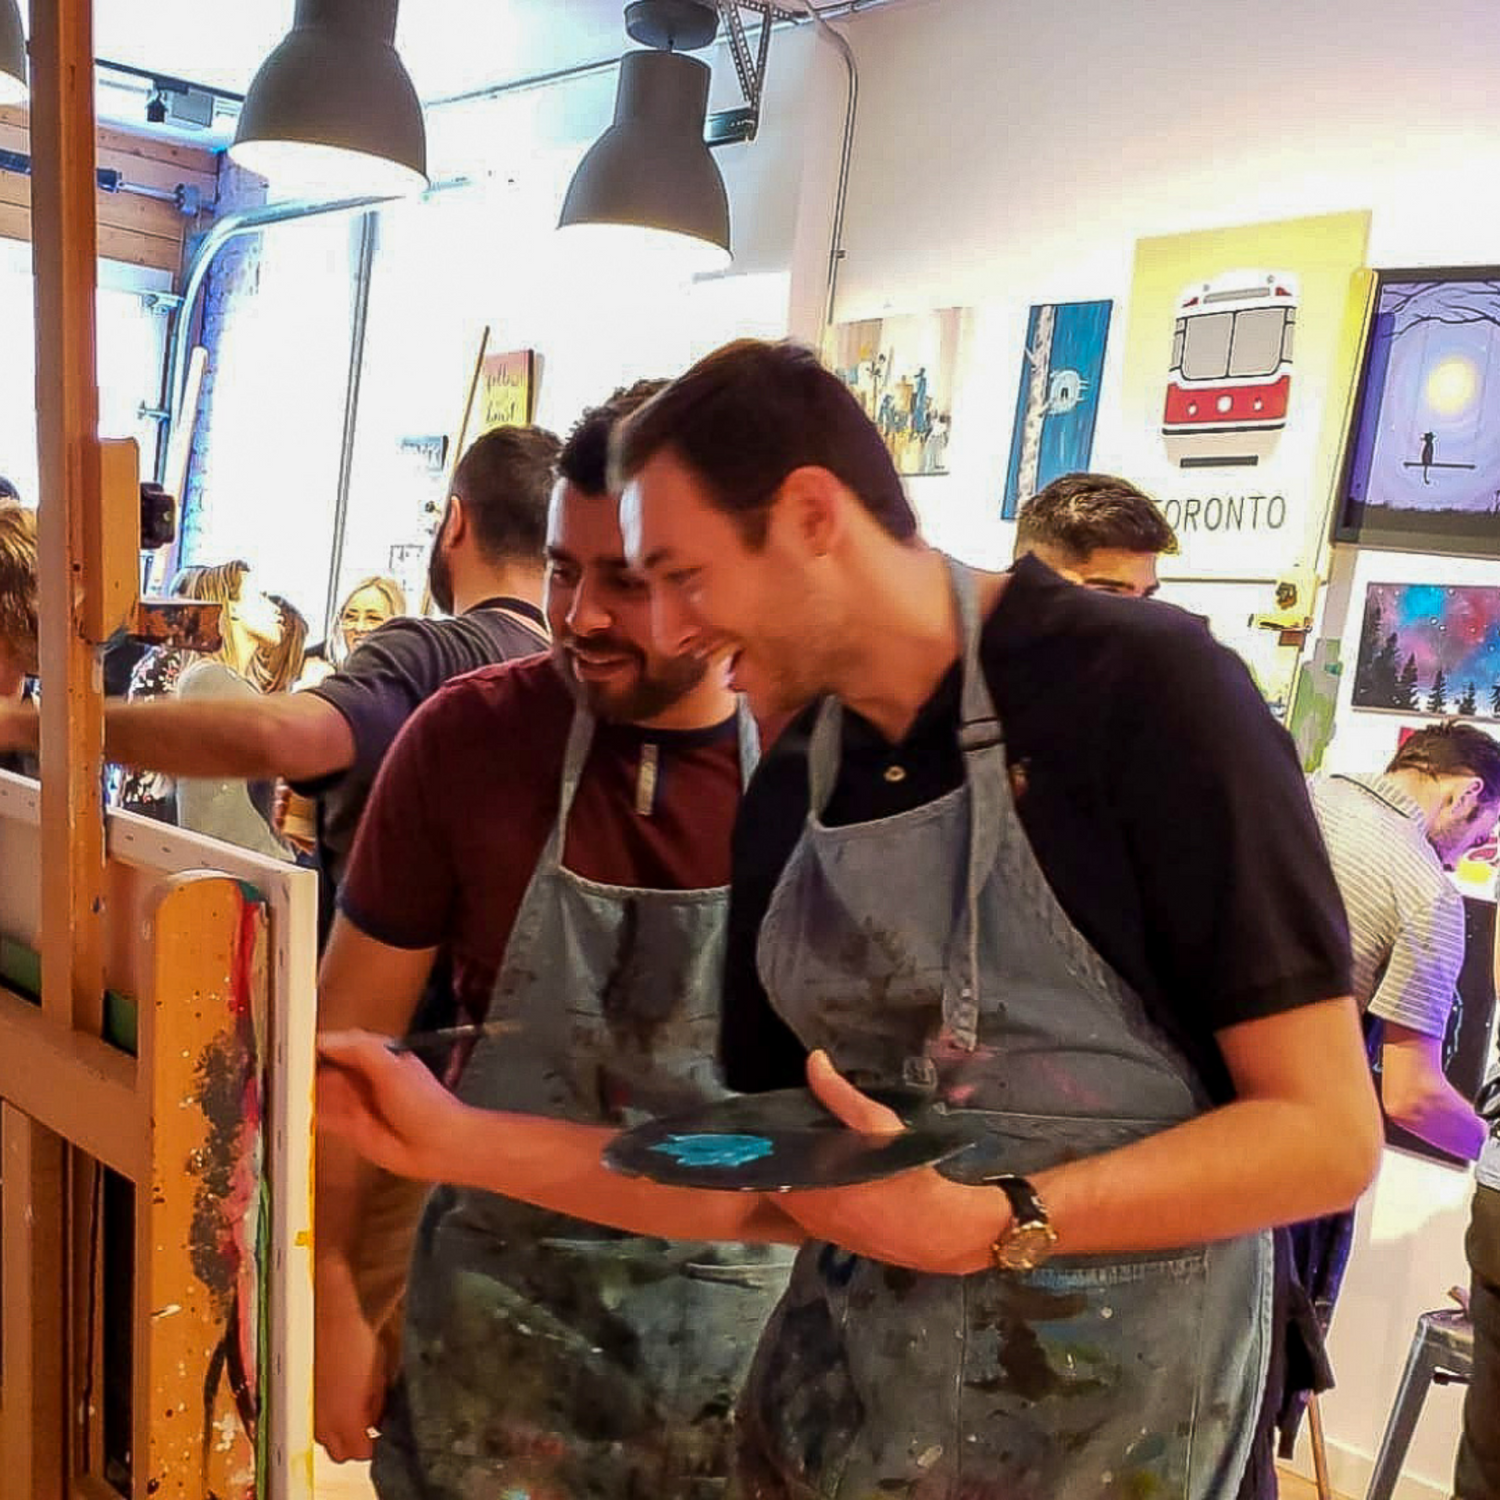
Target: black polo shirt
[[1164, 803]]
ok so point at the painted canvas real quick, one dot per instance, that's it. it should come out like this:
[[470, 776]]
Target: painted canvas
[[1430, 648], [1058, 402], [507, 391], [905, 372], [1240, 354], [1466, 1046], [1422, 469]]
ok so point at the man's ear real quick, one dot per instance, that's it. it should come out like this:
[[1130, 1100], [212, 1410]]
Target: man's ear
[[811, 505], [457, 524]]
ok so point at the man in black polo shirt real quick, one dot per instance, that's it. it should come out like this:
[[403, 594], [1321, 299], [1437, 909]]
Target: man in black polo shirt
[[1039, 853]]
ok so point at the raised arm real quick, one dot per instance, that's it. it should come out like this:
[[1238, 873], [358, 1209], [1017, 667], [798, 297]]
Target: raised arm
[[295, 735]]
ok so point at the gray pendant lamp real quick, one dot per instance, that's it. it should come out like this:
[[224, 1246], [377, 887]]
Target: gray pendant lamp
[[12, 53], [650, 179], [332, 110]]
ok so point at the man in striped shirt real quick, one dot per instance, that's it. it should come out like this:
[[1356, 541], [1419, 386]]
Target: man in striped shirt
[[1392, 838]]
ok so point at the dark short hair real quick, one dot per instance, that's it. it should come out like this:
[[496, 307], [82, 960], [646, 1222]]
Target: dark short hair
[[1452, 750], [505, 482], [745, 417], [8, 491], [584, 460], [1082, 513]]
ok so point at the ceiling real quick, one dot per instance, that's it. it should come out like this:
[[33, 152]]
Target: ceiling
[[449, 46]]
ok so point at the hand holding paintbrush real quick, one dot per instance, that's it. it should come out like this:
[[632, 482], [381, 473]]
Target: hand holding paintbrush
[[426, 1042]]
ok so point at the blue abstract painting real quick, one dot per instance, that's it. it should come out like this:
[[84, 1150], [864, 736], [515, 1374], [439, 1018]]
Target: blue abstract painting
[[1058, 401], [1423, 459]]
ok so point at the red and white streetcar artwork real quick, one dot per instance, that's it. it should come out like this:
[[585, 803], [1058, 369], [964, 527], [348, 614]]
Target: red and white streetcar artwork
[[1231, 377]]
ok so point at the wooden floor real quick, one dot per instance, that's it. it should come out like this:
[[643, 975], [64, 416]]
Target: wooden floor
[[351, 1482]]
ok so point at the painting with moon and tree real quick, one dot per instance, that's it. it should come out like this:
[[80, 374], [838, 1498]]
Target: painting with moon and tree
[[1422, 464]]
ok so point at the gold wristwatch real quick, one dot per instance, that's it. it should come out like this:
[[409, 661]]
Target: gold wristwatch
[[1028, 1239]]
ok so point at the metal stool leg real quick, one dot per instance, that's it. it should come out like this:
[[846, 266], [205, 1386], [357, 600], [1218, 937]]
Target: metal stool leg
[[1319, 1452], [1402, 1422]]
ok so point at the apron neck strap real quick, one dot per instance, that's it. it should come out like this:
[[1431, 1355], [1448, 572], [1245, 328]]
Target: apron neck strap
[[982, 741]]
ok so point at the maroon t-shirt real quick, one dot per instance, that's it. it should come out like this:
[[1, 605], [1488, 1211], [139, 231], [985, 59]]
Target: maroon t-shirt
[[465, 801]]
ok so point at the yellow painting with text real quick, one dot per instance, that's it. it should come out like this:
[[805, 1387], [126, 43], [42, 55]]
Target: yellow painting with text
[[507, 394], [1240, 356]]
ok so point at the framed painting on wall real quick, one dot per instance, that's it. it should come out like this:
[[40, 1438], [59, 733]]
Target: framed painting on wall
[[1240, 354], [507, 391], [905, 372], [1058, 402], [1430, 648], [1421, 466]]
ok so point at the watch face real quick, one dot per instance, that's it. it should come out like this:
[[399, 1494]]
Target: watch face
[[1025, 1247]]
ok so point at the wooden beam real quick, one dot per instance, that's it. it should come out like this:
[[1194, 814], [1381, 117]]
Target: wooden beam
[[65, 241], [74, 1084], [35, 1258]]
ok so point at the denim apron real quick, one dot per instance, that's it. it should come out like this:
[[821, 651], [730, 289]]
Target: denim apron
[[547, 1357], [927, 948]]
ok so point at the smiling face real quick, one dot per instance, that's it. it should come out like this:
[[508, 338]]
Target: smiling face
[[363, 614], [599, 613], [713, 593]]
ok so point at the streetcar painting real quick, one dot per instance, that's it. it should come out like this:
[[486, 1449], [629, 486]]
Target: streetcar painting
[[1230, 383]]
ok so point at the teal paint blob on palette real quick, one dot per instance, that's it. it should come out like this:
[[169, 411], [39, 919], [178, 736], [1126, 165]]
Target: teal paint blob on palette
[[715, 1150]]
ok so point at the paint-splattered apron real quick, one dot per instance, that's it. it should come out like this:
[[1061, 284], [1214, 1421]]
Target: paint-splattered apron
[[550, 1358], [928, 948]]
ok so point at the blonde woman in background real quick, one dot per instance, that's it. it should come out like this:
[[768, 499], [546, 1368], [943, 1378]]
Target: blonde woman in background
[[366, 607], [277, 668], [250, 626]]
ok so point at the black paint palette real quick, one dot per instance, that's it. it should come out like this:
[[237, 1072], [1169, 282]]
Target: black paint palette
[[781, 1141]]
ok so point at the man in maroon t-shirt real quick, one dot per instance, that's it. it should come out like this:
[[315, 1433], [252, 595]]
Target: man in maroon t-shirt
[[459, 850]]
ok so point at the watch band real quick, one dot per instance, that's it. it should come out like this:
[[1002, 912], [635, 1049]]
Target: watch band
[[1027, 1241], [1026, 1206]]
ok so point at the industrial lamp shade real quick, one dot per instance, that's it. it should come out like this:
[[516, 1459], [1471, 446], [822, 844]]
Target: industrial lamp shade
[[651, 175], [332, 109], [12, 54]]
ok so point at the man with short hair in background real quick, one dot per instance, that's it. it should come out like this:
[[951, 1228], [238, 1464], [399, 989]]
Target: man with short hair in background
[[1097, 530], [1392, 838]]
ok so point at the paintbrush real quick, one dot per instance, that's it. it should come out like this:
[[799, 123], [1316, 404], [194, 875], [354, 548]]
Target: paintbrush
[[448, 1036]]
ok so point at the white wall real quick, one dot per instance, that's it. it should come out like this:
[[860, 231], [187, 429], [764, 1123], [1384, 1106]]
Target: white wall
[[1010, 154]]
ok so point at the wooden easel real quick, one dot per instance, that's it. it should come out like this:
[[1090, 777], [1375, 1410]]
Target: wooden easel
[[215, 948]]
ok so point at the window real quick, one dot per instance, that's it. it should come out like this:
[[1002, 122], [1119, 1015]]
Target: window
[[1205, 349], [1177, 338], [1256, 350], [131, 346]]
